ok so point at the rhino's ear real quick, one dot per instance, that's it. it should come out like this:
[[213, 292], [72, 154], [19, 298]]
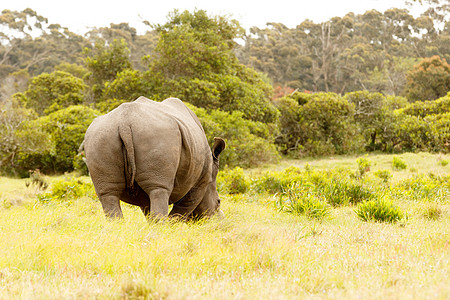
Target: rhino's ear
[[219, 145]]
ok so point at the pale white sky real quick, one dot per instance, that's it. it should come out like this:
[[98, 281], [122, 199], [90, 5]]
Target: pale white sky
[[80, 15]]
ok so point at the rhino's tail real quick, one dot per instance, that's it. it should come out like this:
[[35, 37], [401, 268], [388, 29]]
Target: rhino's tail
[[126, 135]]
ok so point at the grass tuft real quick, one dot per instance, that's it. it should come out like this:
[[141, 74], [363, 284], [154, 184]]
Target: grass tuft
[[379, 211]]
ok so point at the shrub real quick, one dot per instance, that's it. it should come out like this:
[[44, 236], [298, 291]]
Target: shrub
[[67, 190], [426, 108], [249, 143], [379, 211], [384, 175], [317, 124], [439, 134], [277, 182], [19, 137], [50, 92], [398, 163], [443, 162], [301, 200], [66, 128], [363, 166], [233, 181], [342, 191]]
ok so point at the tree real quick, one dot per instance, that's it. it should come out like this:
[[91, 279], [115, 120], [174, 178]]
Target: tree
[[18, 136], [104, 63], [19, 31], [194, 61], [128, 85], [429, 80], [28, 42], [139, 45], [50, 92]]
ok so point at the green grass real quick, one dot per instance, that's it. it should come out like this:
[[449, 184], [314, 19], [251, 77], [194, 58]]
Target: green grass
[[67, 250], [422, 162]]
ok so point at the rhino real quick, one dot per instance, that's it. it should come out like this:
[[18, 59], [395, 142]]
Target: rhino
[[153, 154]]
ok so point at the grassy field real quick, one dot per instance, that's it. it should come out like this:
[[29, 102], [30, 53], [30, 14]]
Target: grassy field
[[67, 250]]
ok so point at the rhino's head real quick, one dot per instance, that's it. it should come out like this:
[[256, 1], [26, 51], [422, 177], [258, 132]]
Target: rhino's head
[[210, 203]]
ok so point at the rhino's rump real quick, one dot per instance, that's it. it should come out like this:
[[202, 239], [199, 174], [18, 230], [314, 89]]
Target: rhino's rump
[[170, 149]]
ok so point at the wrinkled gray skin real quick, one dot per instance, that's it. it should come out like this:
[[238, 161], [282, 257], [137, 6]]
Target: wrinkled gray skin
[[152, 154]]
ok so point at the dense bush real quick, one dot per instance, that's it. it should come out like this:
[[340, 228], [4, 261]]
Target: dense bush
[[49, 92], [248, 143], [317, 124], [19, 137], [233, 181], [195, 62], [66, 128], [425, 108]]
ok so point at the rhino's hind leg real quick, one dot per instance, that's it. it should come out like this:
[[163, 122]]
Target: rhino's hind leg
[[159, 204], [111, 206]]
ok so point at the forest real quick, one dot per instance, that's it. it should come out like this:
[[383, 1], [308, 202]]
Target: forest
[[377, 81]]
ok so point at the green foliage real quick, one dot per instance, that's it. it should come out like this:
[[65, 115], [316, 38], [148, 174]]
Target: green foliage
[[233, 181], [74, 69], [424, 188], [195, 62], [429, 80], [443, 162], [248, 143], [317, 124], [372, 116], [426, 108], [19, 137], [104, 62], [67, 190], [127, 85], [344, 191], [398, 163], [50, 92], [379, 211], [363, 166], [384, 175], [66, 128], [336, 187], [301, 200]]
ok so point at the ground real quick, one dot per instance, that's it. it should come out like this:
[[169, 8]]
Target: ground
[[63, 250]]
